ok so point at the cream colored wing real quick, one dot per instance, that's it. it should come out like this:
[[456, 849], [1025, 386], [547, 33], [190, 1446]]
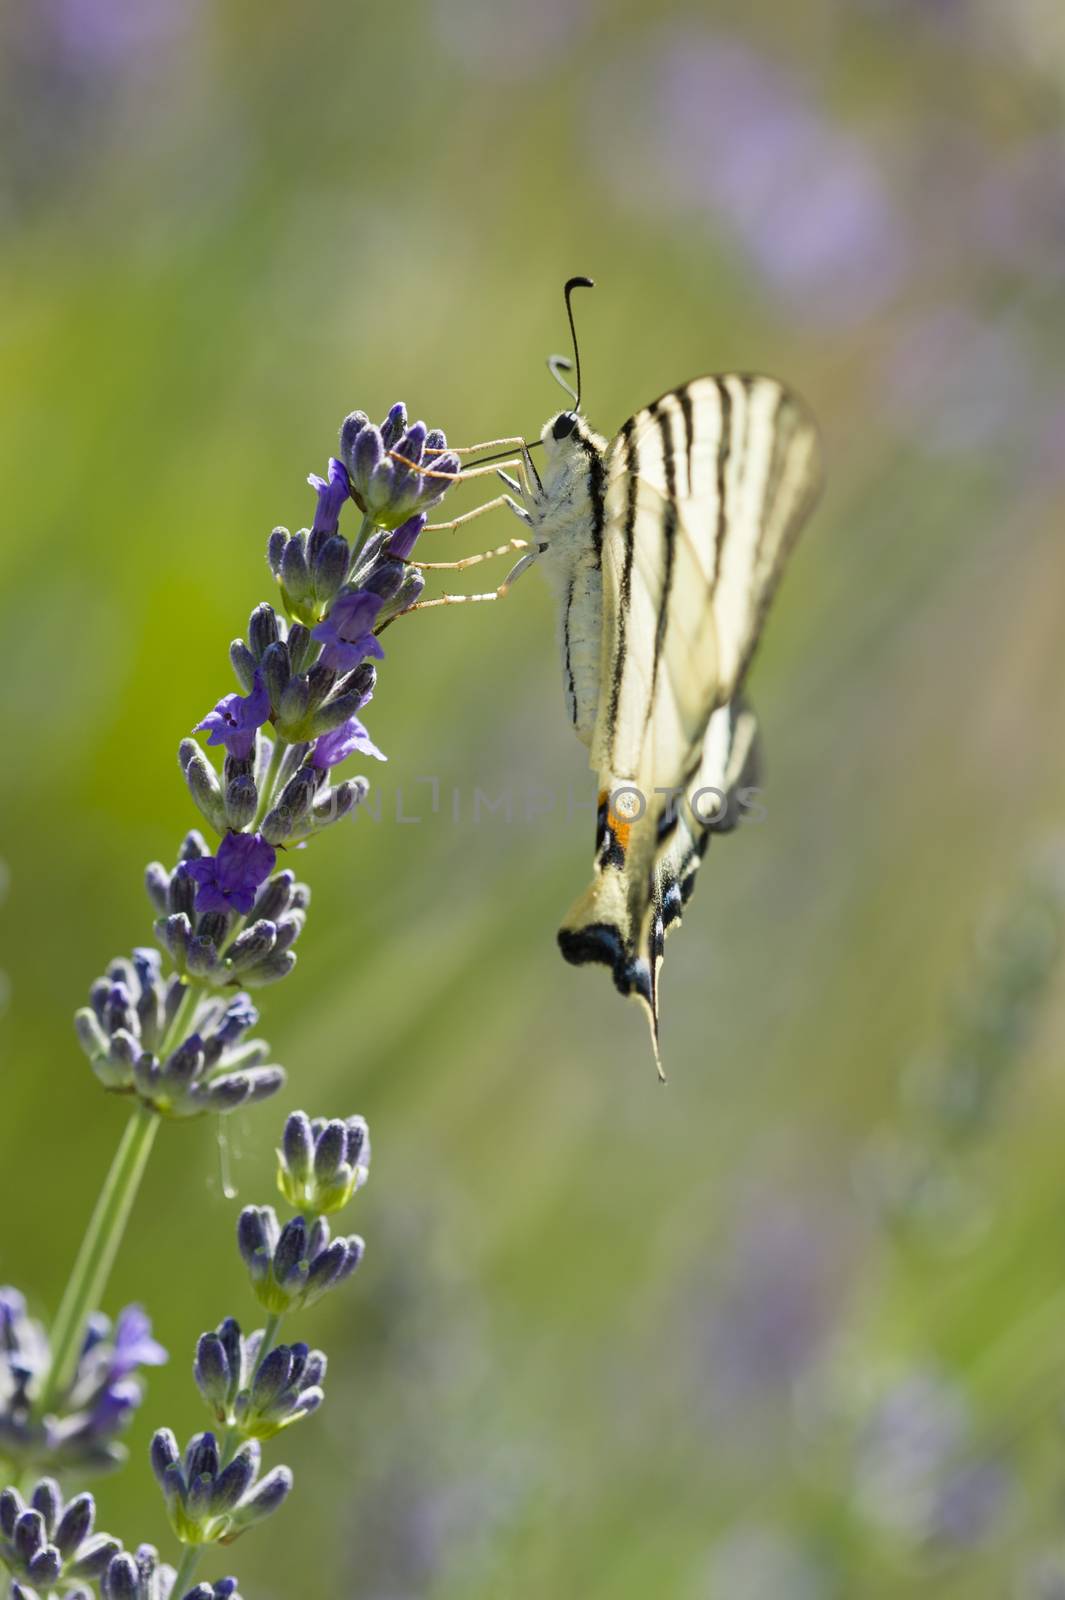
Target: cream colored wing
[[706, 490]]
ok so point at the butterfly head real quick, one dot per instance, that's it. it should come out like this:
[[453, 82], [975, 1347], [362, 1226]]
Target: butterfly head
[[567, 441], [561, 433]]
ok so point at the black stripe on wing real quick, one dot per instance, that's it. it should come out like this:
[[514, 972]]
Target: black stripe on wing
[[625, 593], [724, 446], [664, 421]]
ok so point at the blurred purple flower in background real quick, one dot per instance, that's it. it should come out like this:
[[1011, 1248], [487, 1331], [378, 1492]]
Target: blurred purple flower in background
[[510, 38], [776, 1306], [914, 1472], [113, 35], [701, 125]]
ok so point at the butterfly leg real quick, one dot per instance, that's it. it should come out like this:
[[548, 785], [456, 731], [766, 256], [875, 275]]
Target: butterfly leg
[[478, 511], [522, 464], [515, 572], [470, 561]]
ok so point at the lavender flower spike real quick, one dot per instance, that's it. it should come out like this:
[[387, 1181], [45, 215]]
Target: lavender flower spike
[[235, 718]]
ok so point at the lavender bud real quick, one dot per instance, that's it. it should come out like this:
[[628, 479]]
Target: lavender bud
[[263, 630], [241, 802], [95, 1557], [157, 883], [203, 784], [275, 549], [331, 567], [212, 1373], [46, 1499], [251, 945], [276, 966], [350, 429], [394, 425], [91, 1036], [401, 545], [297, 1151], [276, 671], [235, 1480], [181, 896], [257, 1232], [302, 646], [267, 1496], [174, 934], [275, 895], [367, 455], [295, 573], [243, 663], [386, 578], [292, 709], [334, 804], [292, 807], [75, 1524]]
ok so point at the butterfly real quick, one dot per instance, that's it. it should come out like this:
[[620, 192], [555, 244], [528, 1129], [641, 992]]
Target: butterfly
[[664, 546]]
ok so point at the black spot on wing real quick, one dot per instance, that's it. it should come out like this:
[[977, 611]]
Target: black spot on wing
[[672, 902], [602, 943]]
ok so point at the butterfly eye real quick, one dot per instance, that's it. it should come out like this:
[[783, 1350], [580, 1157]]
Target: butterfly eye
[[565, 423]]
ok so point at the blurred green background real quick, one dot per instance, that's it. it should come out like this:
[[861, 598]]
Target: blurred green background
[[795, 1326]]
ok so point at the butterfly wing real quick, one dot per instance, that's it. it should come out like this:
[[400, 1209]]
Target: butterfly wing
[[706, 490]]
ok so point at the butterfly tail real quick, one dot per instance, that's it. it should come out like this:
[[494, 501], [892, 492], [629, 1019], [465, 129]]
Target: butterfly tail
[[644, 877], [604, 926]]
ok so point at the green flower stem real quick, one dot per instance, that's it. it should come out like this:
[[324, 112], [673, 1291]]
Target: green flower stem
[[266, 795], [187, 1570], [96, 1257], [176, 1031]]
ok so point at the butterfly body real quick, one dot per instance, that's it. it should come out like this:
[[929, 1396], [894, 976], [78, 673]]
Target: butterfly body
[[567, 513], [664, 546]]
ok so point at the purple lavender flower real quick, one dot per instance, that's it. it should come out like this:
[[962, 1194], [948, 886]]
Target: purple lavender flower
[[347, 740], [731, 137], [333, 490], [405, 537], [133, 1344], [102, 1396], [229, 880], [347, 632], [395, 470], [236, 717]]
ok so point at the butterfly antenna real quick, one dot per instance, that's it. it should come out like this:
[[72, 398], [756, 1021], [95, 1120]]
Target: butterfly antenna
[[559, 364]]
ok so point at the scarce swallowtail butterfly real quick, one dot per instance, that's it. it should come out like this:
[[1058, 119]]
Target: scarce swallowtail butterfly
[[664, 546]]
